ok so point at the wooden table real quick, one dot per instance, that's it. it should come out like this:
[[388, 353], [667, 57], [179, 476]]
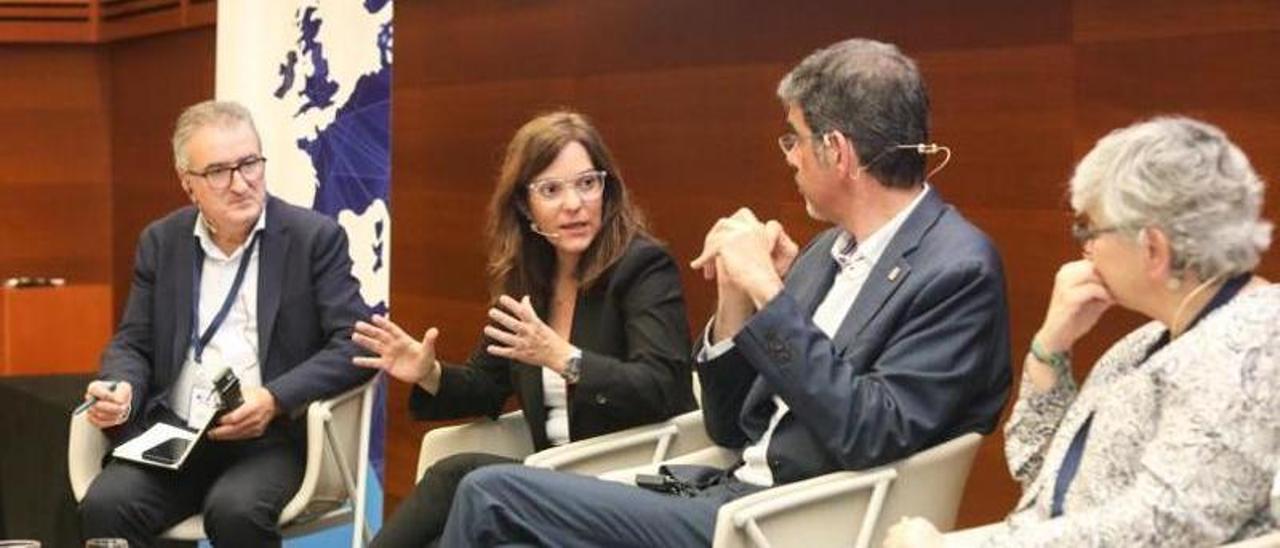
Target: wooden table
[[46, 330]]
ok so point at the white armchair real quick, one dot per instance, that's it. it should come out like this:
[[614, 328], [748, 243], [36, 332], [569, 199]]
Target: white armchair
[[333, 483], [631, 447], [509, 436], [928, 484]]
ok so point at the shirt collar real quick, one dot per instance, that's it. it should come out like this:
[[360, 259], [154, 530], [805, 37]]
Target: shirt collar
[[201, 232], [847, 252]]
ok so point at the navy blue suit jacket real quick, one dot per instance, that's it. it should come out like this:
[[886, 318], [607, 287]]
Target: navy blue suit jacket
[[308, 303], [921, 357]]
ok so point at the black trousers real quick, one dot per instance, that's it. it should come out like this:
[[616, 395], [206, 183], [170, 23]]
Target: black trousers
[[239, 486], [420, 518]]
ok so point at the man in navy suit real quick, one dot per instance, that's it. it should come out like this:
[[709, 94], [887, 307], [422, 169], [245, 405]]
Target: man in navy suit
[[886, 336], [239, 281]]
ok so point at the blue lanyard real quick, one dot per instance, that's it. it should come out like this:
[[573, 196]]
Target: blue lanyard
[[198, 341]]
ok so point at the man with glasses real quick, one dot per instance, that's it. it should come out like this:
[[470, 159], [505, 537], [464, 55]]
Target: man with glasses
[[240, 282], [886, 336]]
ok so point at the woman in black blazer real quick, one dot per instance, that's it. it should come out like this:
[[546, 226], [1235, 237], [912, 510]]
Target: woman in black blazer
[[588, 324]]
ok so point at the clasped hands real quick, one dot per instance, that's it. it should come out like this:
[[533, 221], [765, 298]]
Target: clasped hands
[[746, 257], [517, 333]]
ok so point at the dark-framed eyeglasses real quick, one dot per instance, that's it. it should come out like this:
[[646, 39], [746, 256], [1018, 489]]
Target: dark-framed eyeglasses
[[1082, 233], [219, 176], [589, 185]]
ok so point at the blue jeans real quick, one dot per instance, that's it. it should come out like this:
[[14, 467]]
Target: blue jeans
[[516, 505]]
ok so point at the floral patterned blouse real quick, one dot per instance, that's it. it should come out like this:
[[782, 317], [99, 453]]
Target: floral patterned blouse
[[1183, 446]]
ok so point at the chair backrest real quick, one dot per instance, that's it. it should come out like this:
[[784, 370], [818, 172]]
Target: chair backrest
[[85, 447], [337, 455], [508, 436], [930, 485]]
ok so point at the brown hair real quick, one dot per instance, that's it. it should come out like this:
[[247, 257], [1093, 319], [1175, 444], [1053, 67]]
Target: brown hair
[[522, 262]]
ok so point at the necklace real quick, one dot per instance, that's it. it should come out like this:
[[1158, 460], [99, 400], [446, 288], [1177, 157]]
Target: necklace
[[1182, 305]]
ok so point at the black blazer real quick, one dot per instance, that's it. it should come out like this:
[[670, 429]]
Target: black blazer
[[921, 357], [634, 334], [308, 302]]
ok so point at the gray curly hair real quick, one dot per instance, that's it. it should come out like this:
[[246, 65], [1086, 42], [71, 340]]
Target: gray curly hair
[[1185, 177]]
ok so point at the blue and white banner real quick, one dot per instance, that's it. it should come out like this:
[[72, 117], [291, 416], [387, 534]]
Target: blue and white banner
[[317, 77]]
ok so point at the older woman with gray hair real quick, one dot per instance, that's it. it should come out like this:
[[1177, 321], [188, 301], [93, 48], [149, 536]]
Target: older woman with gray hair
[[1172, 440]]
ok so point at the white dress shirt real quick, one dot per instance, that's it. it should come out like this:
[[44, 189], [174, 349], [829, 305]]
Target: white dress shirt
[[855, 261], [235, 344], [555, 396]]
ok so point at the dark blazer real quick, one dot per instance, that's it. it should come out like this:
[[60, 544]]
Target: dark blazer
[[921, 357], [634, 334], [308, 302]]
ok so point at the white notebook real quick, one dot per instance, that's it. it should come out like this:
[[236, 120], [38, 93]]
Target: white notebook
[[162, 445]]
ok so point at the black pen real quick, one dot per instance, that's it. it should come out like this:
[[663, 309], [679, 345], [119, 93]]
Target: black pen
[[93, 399]]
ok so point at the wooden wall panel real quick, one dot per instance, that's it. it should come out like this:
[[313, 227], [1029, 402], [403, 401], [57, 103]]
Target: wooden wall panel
[[152, 79], [55, 208], [1223, 79], [684, 95]]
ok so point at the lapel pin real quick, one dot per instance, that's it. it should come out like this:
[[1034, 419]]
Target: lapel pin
[[893, 274]]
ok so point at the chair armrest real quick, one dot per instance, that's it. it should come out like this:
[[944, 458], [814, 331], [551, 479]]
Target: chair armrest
[[86, 446], [719, 457], [648, 444], [827, 494], [630, 447], [508, 436]]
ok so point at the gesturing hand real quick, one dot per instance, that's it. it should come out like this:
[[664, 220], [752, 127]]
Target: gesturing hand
[[1079, 299], [112, 407], [520, 335], [399, 354], [249, 420]]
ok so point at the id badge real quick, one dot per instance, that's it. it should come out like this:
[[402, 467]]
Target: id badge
[[204, 403]]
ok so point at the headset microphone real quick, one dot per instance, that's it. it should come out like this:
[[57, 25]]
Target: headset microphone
[[548, 235]]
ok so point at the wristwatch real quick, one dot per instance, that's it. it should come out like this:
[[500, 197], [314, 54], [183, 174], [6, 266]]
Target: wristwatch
[[572, 367]]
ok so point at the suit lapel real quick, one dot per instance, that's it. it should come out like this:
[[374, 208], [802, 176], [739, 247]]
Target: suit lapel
[[808, 289], [891, 270], [529, 382], [185, 257], [274, 248]]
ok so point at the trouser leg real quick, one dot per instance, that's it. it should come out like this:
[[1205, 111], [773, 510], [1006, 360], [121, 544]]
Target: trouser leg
[[242, 507], [137, 503], [420, 518], [512, 505]]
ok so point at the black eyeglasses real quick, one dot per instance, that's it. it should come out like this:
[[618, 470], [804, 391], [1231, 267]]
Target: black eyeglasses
[[219, 176], [1082, 233]]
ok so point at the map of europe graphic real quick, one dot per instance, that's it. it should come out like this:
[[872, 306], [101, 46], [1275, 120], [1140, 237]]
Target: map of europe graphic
[[350, 155], [340, 112]]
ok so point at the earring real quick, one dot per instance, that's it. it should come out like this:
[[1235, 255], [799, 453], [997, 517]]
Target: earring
[[1173, 284]]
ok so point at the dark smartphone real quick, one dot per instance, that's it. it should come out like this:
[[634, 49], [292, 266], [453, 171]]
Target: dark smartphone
[[228, 387], [661, 484], [168, 451]]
